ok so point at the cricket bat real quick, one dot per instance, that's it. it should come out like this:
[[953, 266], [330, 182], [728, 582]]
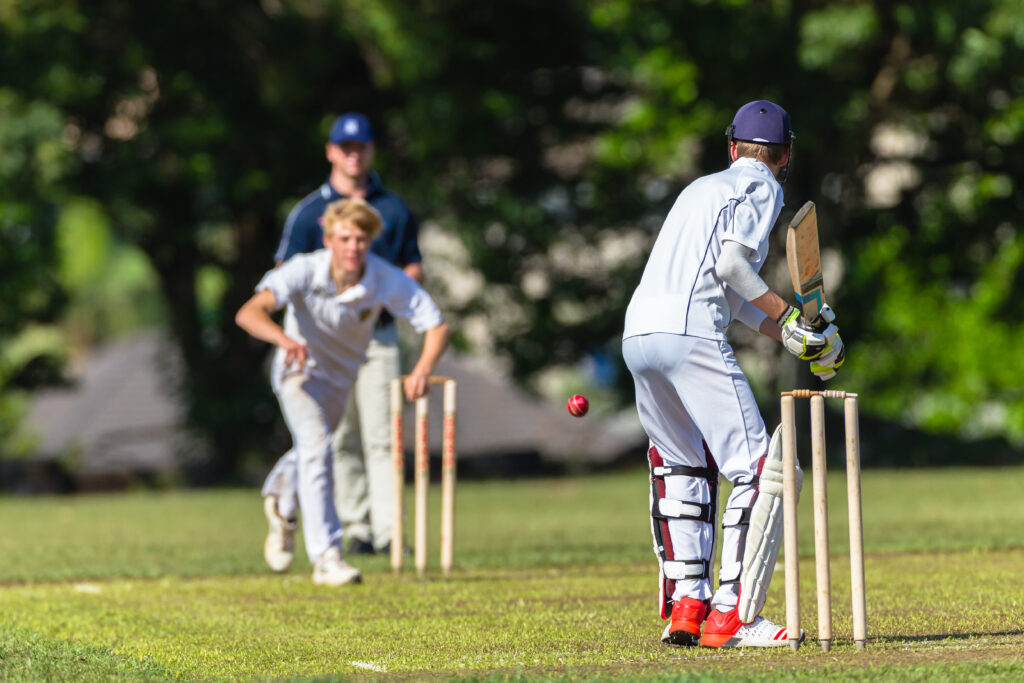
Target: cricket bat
[[804, 261]]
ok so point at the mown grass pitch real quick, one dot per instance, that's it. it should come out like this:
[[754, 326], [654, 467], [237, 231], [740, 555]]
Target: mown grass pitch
[[554, 579]]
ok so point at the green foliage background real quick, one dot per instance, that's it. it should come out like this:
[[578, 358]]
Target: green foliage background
[[550, 139]]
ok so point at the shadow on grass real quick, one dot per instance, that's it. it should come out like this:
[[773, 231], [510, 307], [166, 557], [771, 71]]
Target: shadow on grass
[[942, 636]]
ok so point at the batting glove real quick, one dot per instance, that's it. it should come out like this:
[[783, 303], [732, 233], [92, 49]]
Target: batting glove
[[799, 338], [824, 367]]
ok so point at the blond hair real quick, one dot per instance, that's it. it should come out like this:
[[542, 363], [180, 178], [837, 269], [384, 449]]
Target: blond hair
[[355, 212], [768, 153]]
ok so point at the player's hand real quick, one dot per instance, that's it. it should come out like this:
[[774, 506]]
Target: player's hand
[[826, 316], [799, 337], [294, 352], [416, 386], [824, 367]]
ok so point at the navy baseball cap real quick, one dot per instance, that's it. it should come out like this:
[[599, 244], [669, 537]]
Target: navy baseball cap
[[351, 127], [761, 121]]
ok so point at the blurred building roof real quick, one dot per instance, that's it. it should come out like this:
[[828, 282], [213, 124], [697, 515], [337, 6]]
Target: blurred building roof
[[494, 417], [122, 418]]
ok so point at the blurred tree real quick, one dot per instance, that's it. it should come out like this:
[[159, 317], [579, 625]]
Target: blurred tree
[[556, 168], [550, 138], [184, 121], [929, 206], [33, 163], [111, 288], [909, 122]]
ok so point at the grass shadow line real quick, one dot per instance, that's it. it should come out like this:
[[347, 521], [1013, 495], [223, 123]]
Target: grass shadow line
[[940, 636]]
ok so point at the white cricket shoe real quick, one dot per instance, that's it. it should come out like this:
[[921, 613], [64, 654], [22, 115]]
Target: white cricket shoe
[[279, 548], [724, 629], [331, 570]]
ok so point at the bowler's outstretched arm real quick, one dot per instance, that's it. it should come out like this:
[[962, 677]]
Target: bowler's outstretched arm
[[254, 318], [435, 340]]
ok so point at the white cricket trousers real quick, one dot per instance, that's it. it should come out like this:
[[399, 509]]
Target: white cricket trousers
[[690, 391], [311, 407], [363, 471]]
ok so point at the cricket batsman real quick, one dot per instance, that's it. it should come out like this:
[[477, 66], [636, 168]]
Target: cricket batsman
[[694, 401]]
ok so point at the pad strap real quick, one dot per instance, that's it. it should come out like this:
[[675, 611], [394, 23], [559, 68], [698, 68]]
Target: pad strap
[[709, 473], [667, 508], [736, 517], [686, 569], [730, 574]]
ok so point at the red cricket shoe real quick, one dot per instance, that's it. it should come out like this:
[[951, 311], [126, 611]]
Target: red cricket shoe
[[724, 629], [684, 628]]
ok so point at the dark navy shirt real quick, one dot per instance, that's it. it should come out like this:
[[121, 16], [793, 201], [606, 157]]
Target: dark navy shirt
[[397, 242]]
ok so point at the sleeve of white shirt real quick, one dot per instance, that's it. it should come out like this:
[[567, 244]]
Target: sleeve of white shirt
[[753, 215], [409, 300], [734, 268], [284, 282]]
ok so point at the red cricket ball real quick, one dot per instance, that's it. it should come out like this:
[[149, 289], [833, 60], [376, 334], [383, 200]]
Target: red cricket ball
[[578, 406]]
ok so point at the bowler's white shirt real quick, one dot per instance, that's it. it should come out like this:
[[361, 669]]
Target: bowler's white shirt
[[680, 293], [337, 328]]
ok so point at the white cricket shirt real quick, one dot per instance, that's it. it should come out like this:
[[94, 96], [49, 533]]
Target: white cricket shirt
[[337, 328], [680, 293]]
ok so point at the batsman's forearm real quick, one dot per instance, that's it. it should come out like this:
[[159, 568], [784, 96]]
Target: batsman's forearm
[[771, 304], [435, 340], [770, 328]]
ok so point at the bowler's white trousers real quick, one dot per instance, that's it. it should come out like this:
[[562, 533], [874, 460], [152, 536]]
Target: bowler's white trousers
[[311, 407], [364, 473], [690, 391]]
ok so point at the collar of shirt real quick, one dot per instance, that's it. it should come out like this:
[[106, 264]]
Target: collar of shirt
[[373, 187], [755, 164], [323, 283]]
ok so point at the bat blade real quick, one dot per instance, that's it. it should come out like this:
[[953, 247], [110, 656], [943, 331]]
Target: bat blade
[[804, 260]]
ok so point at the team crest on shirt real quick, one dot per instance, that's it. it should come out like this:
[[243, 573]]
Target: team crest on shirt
[[364, 314]]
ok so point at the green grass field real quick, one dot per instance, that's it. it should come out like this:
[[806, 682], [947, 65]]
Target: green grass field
[[555, 579]]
